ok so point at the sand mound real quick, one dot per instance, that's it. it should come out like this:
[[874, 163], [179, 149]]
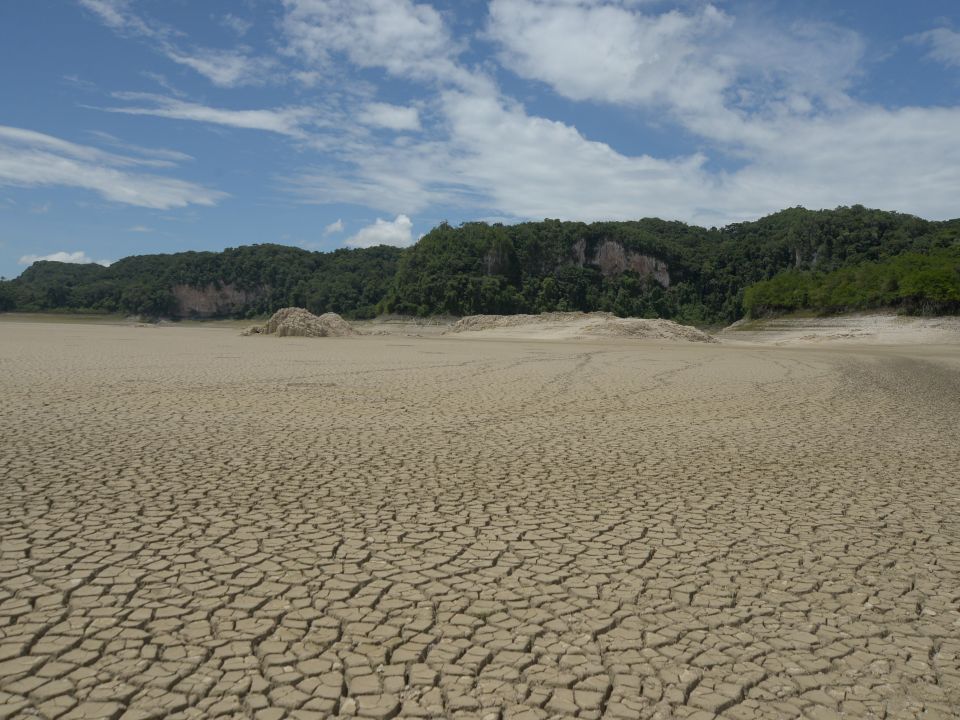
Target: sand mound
[[572, 325], [297, 322]]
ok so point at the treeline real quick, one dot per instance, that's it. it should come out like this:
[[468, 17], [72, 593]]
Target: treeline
[[914, 283], [350, 282], [646, 268], [553, 265]]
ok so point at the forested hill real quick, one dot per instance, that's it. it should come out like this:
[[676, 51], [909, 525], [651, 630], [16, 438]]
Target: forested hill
[[646, 267]]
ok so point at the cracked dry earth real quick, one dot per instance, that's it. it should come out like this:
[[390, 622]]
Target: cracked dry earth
[[196, 524]]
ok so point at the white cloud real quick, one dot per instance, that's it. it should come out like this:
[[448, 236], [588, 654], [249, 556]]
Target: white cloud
[[944, 45], [224, 68], [772, 99], [398, 232], [334, 227], [697, 62], [32, 159], [117, 15], [166, 158], [285, 121], [391, 117], [405, 38], [605, 52], [79, 257], [140, 229], [162, 81], [498, 159], [906, 159], [771, 102]]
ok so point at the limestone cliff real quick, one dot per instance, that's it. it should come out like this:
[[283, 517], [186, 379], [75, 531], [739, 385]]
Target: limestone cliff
[[612, 259], [212, 300]]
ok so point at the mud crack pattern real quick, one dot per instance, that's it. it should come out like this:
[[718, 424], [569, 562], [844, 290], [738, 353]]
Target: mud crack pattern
[[194, 524]]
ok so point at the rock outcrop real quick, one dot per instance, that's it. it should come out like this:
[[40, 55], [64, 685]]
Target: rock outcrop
[[212, 300], [613, 259]]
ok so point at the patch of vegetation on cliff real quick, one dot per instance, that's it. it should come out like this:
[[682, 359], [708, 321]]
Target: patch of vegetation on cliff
[[913, 283]]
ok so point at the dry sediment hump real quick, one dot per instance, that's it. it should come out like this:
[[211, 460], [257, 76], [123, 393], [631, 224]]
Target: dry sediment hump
[[571, 325], [297, 322]]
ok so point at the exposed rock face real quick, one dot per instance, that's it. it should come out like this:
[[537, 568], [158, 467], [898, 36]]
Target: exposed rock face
[[210, 301], [613, 259], [580, 252], [297, 322]]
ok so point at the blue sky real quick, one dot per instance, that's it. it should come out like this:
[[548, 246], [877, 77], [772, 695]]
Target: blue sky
[[139, 126]]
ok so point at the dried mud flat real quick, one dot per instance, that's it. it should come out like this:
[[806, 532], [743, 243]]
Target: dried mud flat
[[195, 524]]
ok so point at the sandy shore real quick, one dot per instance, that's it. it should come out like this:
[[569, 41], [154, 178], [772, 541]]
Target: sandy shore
[[197, 524], [857, 329]]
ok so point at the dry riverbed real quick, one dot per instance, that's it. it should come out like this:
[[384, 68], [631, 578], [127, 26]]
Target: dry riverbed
[[198, 524]]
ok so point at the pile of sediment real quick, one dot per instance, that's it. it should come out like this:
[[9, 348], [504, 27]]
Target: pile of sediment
[[297, 322], [571, 325]]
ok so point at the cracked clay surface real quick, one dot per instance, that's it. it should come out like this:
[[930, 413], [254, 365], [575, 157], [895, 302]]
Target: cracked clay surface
[[194, 524]]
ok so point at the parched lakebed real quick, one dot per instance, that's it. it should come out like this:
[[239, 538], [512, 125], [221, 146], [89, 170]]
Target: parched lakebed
[[197, 524]]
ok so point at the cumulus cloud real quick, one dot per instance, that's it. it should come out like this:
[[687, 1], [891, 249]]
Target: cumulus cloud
[[773, 100], [334, 227], [697, 61], [33, 159], [607, 52], [499, 159], [79, 257], [398, 232], [405, 38], [770, 101], [391, 117]]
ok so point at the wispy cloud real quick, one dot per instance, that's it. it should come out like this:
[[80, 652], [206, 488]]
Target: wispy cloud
[[771, 100], [236, 24], [117, 15], [78, 257], [161, 80], [31, 159], [944, 45], [225, 68], [140, 229], [168, 157], [79, 83], [285, 121]]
